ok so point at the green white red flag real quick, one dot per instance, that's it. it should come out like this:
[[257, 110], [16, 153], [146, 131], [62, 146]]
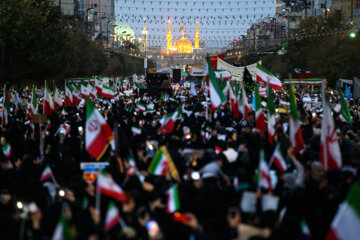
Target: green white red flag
[[48, 101], [296, 138], [6, 150], [98, 134], [278, 159], [69, 102], [217, 96], [136, 131], [84, 89], [271, 121], [162, 164], [346, 224], [108, 92], [112, 217], [107, 186], [234, 103], [264, 178], [345, 115], [47, 174], [259, 114], [62, 230], [169, 122], [173, 199], [330, 154], [76, 95], [264, 76], [57, 99], [92, 90]]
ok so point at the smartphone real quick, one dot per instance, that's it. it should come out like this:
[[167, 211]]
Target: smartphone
[[32, 207], [153, 228], [181, 217]]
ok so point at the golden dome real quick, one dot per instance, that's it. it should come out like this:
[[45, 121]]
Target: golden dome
[[183, 45]]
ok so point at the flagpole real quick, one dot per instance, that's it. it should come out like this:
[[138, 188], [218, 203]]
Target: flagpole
[[98, 195]]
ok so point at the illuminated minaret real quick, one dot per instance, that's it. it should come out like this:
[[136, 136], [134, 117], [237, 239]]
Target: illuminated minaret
[[144, 37], [197, 37], [169, 37]]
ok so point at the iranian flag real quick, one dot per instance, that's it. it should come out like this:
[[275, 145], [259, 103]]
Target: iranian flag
[[48, 102], [271, 121], [112, 217], [69, 102], [33, 107], [244, 104], [296, 138], [136, 131], [169, 122], [57, 99], [141, 107], [7, 150], [107, 186], [259, 114], [345, 113], [84, 89], [303, 73], [98, 84], [264, 76], [264, 179], [173, 200], [217, 97], [234, 102], [162, 163], [46, 174], [62, 230], [278, 159], [330, 155], [346, 224], [76, 95], [63, 113], [98, 134], [92, 90], [108, 92]]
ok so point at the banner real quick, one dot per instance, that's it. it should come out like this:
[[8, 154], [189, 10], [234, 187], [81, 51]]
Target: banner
[[236, 72], [305, 82], [214, 60]]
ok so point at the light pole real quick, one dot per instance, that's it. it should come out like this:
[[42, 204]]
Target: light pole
[[288, 21], [107, 34], [87, 21], [101, 31]]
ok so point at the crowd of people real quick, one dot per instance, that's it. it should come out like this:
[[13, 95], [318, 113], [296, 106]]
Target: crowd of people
[[215, 155]]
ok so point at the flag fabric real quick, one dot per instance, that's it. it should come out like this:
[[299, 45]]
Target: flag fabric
[[348, 92], [48, 101], [98, 134], [84, 89], [278, 159], [218, 149], [46, 174], [107, 186], [69, 102], [162, 164], [63, 113], [346, 223], [112, 217], [244, 105], [92, 90], [6, 108], [264, 76], [173, 200], [217, 96], [138, 85], [76, 95], [234, 103], [108, 92], [271, 121], [33, 107], [263, 178], [98, 84], [136, 131], [304, 82], [248, 82], [57, 99], [169, 122], [305, 228], [6, 150], [330, 155], [62, 230], [303, 73], [259, 114], [345, 115], [141, 107], [296, 138]]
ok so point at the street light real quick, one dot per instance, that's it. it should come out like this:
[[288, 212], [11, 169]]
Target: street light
[[87, 21], [107, 33], [288, 20]]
